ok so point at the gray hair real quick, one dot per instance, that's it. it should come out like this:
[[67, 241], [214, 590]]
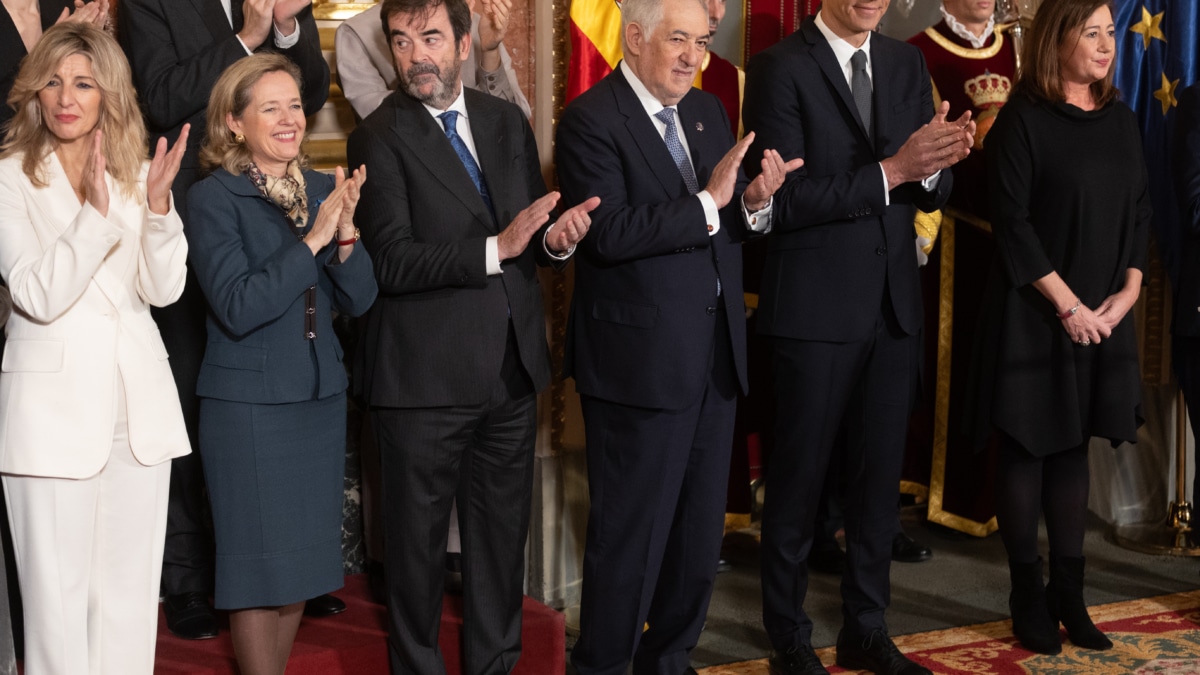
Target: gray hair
[[645, 13]]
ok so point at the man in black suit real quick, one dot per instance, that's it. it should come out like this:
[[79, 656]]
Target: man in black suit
[[454, 215], [1185, 325], [841, 302], [657, 335], [178, 49]]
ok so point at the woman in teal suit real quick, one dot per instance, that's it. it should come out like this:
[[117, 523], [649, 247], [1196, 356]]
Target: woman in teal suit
[[276, 254]]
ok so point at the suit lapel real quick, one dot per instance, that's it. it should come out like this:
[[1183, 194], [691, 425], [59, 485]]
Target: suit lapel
[[822, 53], [485, 124], [698, 136], [646, 137], [63, 207], [214, 17], [883, 64], [421, 134]]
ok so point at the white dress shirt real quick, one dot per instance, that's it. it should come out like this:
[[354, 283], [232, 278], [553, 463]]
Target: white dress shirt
[[462, 126], [282, 41], [758, 219], [843, 51]]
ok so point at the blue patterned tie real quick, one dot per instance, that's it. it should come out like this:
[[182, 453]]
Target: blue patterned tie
[[667, 117], [450, 121]]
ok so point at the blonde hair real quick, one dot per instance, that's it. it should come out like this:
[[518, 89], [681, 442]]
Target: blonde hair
[[231, 96], [124, 144]]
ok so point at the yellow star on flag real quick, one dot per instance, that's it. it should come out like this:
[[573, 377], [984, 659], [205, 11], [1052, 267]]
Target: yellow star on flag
[[1149, 27], [1167, 93]]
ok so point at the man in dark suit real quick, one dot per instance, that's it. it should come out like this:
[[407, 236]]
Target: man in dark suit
[[178, 49], [1185, 325], [841, 302], [657, 335], [454, 215]]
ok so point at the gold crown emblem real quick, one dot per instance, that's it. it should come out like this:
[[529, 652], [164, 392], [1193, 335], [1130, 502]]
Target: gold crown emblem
[[988, 89]]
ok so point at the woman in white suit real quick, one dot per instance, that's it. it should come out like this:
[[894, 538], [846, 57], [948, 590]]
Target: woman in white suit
[[88, 410]]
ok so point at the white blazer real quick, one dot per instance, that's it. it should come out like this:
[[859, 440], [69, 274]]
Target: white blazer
[[82, 286]]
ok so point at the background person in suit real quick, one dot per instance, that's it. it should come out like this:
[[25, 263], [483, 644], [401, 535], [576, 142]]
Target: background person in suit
[[841, 300], [272, 385], [178, 49], [657, 334], [367, 71], [1185, 324], [88, 241], [454, 350]]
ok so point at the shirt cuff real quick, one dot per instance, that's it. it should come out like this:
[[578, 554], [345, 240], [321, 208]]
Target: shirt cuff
[[930, 184], [555, 256], [712, 215], [243, 44], [491, 254], [887, 195], [286, 41], [760, 220]]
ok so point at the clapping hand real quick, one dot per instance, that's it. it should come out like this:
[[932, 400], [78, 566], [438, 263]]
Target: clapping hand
[[95, 188], [346, 232], [164, 166], [89, 12], [935, 146], [774, 171], [257, 17], [570, 227], [284, 14]]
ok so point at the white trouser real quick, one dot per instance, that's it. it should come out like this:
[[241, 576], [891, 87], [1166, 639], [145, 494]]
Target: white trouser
[[89, 556]]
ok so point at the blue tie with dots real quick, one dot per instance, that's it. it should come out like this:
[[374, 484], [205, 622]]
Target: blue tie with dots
[[667, 117], [450, 121]]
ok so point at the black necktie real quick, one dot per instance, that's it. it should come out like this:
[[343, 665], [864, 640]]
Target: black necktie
[[860, 87], [235, 9]]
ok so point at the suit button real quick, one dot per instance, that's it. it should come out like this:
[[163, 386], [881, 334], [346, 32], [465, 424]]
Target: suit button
[[882, 250], [710, 310]]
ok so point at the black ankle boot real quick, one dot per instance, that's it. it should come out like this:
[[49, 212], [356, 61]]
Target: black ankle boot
[[1031, 620], [1064, 598]]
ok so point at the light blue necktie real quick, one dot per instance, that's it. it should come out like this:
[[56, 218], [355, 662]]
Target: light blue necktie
[[671, 138], [449, 121]]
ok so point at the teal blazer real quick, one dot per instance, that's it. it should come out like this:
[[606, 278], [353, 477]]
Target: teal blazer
[[255, 273]]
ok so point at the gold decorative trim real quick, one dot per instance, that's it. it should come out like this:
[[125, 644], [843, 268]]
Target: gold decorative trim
[[338, 11], [559, 300], [967, 52], [941, 415]]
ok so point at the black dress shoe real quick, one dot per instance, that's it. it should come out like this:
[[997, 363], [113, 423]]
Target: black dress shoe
[[190, 617], [324, 605], [801, 660], [908, 550], [827, 560], [875, 652]]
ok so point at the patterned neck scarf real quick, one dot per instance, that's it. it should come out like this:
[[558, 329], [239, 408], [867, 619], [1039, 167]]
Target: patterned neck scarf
[[287, 192]]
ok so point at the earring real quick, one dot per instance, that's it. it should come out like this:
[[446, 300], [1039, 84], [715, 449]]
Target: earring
[[239, 139]]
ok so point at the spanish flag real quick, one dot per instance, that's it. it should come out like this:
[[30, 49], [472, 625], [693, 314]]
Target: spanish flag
[[595, 43]]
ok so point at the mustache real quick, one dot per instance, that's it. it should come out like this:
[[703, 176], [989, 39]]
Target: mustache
[[423, 69]]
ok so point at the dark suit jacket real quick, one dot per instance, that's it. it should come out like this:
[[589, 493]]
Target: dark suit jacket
[[1186, 320], [178, 49], [641, 328], [12, 50], [255, 273], [835, 246], [437, 335]]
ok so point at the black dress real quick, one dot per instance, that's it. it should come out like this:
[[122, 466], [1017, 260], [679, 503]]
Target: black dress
[[1068, 193], [12, 50]]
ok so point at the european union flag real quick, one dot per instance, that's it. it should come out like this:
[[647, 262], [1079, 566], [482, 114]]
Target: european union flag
[[1156, 57]]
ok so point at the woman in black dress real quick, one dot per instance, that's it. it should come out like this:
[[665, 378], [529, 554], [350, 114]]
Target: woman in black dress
[[1071, 215]]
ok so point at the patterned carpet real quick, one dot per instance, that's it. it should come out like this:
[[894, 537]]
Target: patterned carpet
[[1154, 636]]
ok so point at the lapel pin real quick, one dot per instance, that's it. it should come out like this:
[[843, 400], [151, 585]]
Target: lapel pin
[[699, 126]]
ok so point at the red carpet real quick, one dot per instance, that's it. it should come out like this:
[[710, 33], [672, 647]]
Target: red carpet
[[354, 642]]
